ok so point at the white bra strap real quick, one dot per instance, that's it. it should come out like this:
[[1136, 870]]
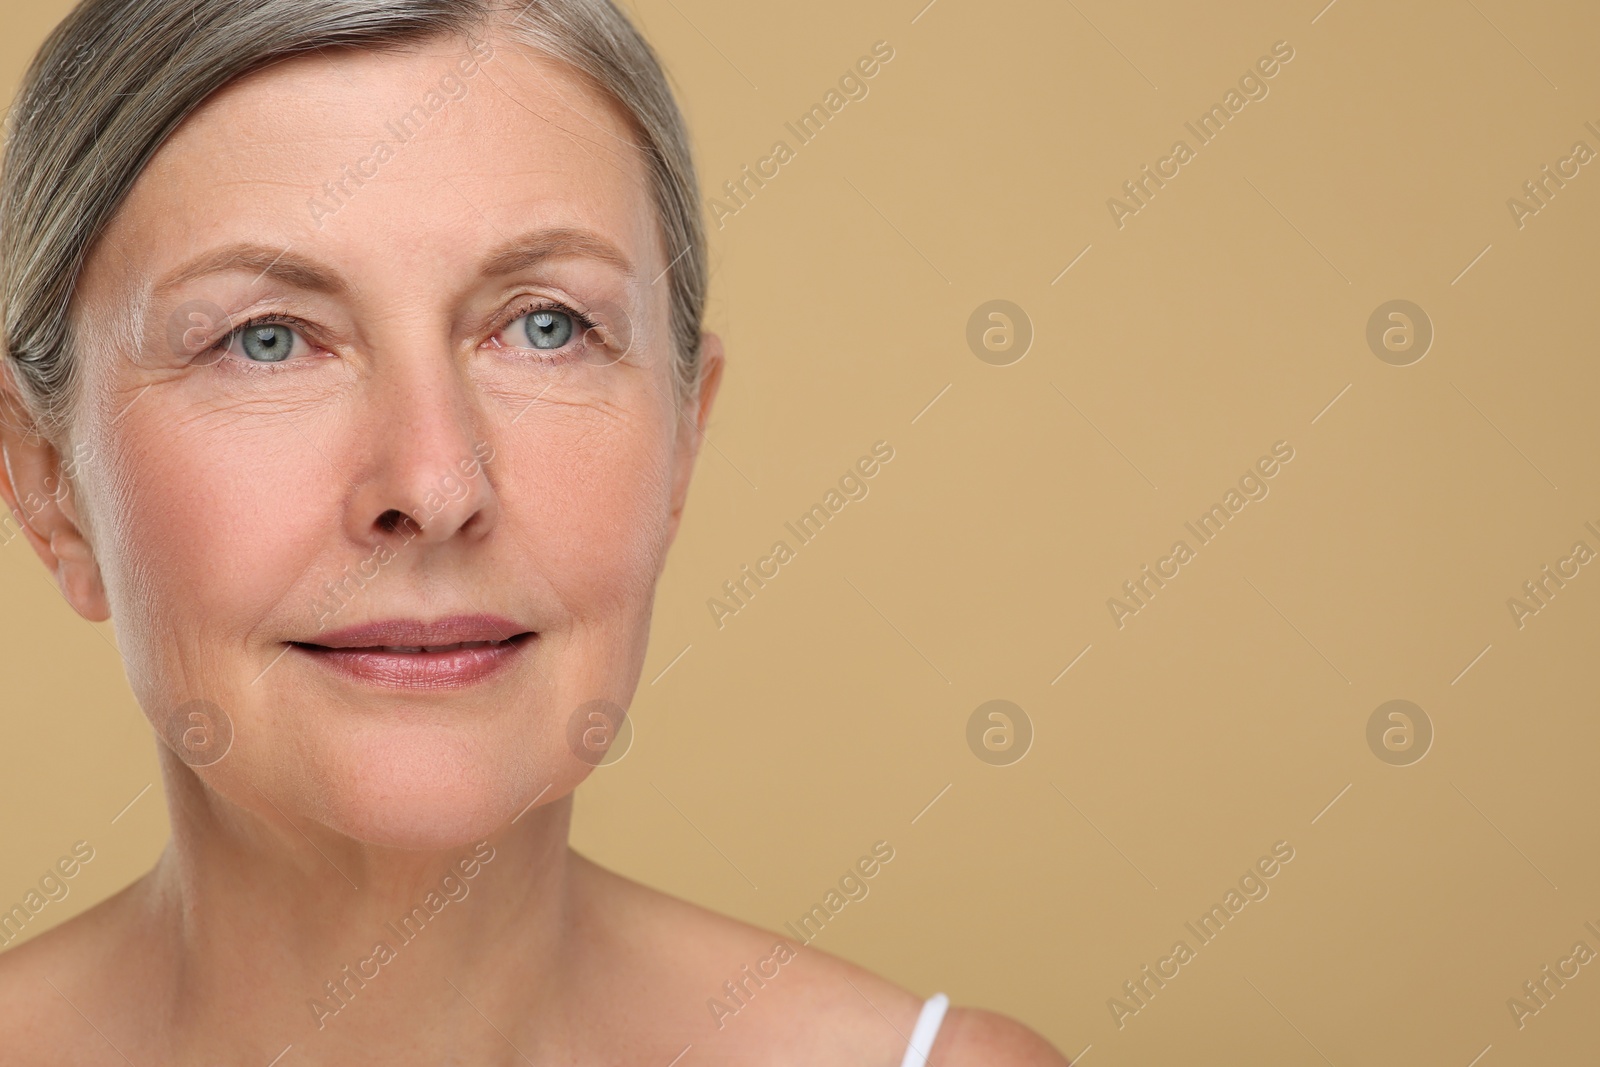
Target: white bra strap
[[926, 1030]]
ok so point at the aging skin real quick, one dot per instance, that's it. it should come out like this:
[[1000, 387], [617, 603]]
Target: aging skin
[[396, 404]]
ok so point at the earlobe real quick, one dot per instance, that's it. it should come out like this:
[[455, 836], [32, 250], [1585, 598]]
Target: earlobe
[[78, 575], [37, 492]]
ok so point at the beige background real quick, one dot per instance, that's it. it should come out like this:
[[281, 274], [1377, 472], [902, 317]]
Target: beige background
[[1225, 716]]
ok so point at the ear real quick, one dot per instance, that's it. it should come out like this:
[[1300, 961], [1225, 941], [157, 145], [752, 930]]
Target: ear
[[36, 485], [690, 434]]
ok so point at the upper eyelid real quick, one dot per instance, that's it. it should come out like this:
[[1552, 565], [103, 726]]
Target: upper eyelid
[[517, 308], [527, 305], [266, 318], [263, 318]]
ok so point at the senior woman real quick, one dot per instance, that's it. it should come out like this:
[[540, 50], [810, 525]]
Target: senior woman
[[355, 367]]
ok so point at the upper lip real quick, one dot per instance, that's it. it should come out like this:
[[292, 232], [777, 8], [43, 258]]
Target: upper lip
[[415, 633]]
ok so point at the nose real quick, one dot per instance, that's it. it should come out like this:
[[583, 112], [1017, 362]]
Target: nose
[[420, 456]]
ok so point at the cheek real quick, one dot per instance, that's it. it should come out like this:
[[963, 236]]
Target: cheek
[[210, 521], [591, 509]]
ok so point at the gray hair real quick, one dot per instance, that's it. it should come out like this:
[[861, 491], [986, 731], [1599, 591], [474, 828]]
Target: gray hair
[[116, 77]]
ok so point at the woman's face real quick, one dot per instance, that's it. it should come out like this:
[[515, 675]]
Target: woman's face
[[419, 443]]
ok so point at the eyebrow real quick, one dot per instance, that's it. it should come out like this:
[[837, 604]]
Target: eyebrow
[[262, 259], [519, 253], [534, 248]]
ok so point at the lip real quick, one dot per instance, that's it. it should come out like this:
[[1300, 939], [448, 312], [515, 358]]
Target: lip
[[457, 651]]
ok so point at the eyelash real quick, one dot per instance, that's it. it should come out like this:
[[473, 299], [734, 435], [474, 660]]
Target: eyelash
[[582, 325], [220, 348]]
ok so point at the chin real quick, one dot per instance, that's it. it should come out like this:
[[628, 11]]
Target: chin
[[429, 787]]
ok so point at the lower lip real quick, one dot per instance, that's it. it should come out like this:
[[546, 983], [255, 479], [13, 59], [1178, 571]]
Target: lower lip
[[418, 670]]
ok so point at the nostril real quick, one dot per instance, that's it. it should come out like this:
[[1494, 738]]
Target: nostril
[[393, 520]]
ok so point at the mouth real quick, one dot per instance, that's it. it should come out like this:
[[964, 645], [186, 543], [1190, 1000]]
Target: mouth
[[412, 654], [412, 649]]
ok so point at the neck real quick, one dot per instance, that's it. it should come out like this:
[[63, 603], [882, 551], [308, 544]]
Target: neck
[[268, 933]]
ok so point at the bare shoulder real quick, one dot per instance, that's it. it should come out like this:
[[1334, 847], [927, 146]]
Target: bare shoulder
[[972, 1037], [748, 995], [32, 1015], [744, 994], [48, 982]]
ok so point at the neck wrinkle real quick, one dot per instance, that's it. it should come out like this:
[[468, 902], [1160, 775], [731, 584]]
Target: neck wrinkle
[[250, 924]]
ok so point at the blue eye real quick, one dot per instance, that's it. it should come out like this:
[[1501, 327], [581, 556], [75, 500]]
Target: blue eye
[[270, 342], [547, 328]]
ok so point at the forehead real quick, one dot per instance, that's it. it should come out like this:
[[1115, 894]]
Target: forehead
[[386, 163]]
